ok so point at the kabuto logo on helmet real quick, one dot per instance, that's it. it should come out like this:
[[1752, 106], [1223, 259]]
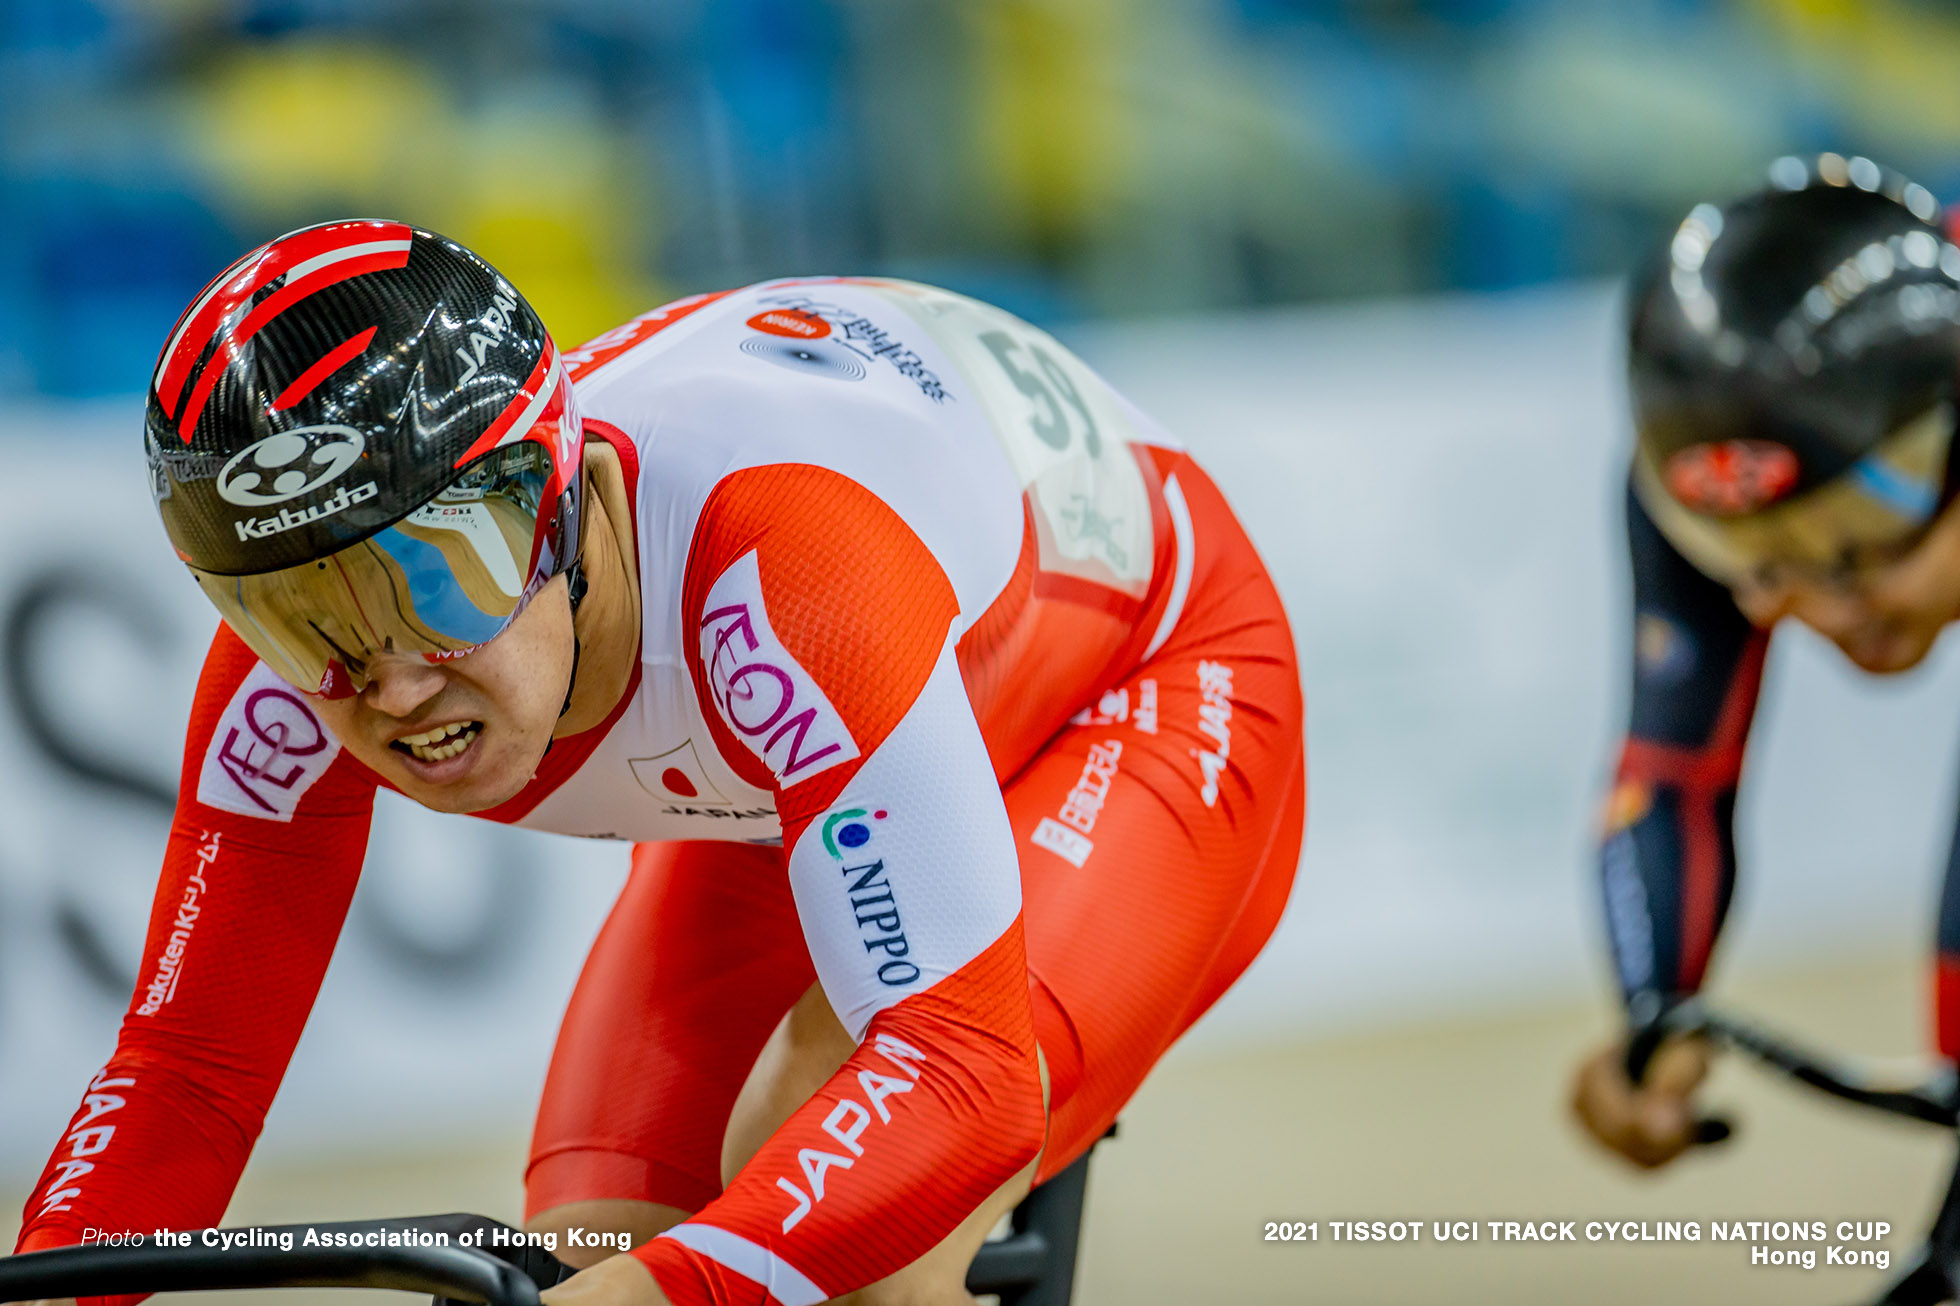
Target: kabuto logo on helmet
[[1732, 477], [334, 381], [288, 464]]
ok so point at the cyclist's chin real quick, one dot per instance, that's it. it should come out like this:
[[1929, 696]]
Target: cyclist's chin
[[1885, 655]]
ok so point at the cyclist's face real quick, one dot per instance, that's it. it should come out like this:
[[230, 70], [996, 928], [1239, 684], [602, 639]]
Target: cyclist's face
[[491, 712], [1884, 610]]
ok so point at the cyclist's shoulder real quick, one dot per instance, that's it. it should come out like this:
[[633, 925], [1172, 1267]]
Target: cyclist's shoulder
[[808, 327]]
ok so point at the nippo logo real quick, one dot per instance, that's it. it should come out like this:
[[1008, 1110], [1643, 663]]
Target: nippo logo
[[288, 464], [792, 322], [1732, 477], [840, 843]]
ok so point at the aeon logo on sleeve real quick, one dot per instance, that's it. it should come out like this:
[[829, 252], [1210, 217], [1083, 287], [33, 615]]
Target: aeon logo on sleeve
[[288, 464], [764, 694], [267, 751]]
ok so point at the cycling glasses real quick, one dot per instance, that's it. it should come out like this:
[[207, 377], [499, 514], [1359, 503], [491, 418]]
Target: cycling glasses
[[1871, 514], [443, 580]]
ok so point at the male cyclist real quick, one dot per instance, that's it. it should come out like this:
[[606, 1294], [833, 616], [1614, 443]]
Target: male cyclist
[[953, 715], [1791, 366]]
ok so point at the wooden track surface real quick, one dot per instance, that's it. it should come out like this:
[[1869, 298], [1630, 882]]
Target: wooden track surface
[[1463, 1121]]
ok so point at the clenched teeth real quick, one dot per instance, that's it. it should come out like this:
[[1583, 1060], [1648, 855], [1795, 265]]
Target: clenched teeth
[[440, 743]]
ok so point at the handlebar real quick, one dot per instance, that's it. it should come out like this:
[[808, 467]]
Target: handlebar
[[1933, 1097], [495, 1276]]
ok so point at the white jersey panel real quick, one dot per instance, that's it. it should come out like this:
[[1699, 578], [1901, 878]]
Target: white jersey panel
[[657, 775], [912, 872], [872, 397], [1066, 433], [962, 419]]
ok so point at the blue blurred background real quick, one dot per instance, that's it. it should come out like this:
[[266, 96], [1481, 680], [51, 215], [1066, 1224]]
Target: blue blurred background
[[1066, 158]]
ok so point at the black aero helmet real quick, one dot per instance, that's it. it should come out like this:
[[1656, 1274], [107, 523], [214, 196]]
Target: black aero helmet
[[1791, 365], [358, 407]]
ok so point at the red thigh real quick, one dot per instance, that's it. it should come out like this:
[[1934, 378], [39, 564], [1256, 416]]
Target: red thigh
[[698, 961], [1186, 822]]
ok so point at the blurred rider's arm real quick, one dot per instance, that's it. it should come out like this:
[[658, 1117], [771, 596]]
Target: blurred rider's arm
[[1667, 859], [266, 845]]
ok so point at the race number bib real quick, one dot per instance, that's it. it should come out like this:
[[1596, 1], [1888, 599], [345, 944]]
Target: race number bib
[[1063, 430]]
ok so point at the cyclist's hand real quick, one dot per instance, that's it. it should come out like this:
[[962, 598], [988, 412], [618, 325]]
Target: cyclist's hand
[[616, 1281], [1652, 1123]]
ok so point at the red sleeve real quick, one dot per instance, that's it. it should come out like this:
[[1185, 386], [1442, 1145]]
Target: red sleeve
[[267, 843], [820, 645]]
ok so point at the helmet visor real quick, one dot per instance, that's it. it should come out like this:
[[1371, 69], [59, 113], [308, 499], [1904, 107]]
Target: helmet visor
[[1874, 511], [446, 578]]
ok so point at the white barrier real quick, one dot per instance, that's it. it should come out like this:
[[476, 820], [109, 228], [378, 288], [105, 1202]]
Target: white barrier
[[1436, 487]]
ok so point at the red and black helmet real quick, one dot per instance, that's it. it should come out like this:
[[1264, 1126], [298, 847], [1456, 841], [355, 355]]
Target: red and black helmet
[[336, 380], [1791, 363]]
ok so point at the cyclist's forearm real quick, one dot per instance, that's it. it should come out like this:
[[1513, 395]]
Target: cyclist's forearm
[[241, 931], [150, 1147], [1667, 875], [939, 1106], [1667, 858]]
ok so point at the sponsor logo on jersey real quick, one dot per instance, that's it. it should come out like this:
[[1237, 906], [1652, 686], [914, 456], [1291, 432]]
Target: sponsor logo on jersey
[[1627, 915], [288, 464], [817, 357], [678, 777], [1661, 649], [170, 964], [763, 694], [1116, 708], [873, 904], [1082, 806], [1215, 720], [1062, 841], [725, 813], [1629, 801], [793, 322], [866, 338], [267, 751], [846, 1123]]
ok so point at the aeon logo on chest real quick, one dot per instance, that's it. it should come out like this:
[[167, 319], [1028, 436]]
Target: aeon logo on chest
[[763, 693], [267, 751]]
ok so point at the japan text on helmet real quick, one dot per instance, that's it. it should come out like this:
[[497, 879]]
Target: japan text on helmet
[[1791, 363], [361, 438]]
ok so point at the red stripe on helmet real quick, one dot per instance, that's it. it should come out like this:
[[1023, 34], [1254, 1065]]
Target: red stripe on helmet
[[303, 385], [206, 317], [243, 279], [532, 393], [272, 306]]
